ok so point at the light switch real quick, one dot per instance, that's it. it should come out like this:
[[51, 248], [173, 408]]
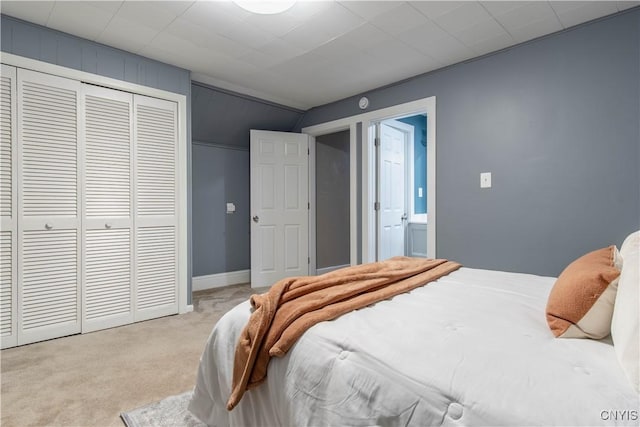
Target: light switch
[[419, 191], [231, 208], [485, 180]]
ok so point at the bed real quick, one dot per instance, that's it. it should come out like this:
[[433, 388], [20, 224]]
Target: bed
[[472, 348]]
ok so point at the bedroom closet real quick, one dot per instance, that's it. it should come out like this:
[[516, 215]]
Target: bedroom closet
[[89, 207]]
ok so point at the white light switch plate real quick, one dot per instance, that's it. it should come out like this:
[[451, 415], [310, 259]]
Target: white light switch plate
[[485, 180], [231, 208]]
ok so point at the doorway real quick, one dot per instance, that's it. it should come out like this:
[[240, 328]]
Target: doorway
[[401, 186], [363, 183], [332, 201]]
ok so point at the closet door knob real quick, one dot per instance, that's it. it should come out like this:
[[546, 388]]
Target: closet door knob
[[48, 226], [256, 218], [107, 225]]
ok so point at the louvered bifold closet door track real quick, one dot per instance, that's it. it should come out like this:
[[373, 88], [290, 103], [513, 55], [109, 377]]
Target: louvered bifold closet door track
[[48, 207], [8, 208], [156, 239], [108, 208]]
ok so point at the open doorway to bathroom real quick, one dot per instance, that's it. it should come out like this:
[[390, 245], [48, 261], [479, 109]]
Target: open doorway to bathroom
[[401, 147]]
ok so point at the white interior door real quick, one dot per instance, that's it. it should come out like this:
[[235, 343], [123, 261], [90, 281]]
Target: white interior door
[[392, 213], [279, 206], [49, 256], [107, 238], [156, 202], [8, 208]]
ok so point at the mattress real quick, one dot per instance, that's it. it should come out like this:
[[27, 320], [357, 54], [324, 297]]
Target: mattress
[[472, 348]]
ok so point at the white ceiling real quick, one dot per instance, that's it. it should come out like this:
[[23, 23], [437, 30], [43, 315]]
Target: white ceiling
[[316, 52]]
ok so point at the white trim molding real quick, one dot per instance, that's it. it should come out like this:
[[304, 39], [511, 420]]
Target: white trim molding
[[211, 281]]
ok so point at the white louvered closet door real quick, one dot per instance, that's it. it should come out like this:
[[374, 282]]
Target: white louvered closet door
[[8, 208], [107, 238], [48, 207], [156, 225]]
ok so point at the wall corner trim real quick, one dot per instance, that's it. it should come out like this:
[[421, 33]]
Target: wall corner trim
[[211, 281]]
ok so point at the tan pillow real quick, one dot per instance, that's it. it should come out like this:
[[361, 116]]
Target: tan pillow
[[581, 301]]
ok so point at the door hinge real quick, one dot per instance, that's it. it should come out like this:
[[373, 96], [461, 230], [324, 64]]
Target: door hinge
[[308, 260], [376, 141], [308, 205], [376, 206]]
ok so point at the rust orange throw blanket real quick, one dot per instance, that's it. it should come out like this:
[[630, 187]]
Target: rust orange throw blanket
[[295, 304]]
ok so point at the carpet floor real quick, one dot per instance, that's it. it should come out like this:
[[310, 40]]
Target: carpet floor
[[88, 380]]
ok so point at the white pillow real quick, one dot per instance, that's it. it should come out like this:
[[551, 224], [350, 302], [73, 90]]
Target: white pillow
[[625, 324]]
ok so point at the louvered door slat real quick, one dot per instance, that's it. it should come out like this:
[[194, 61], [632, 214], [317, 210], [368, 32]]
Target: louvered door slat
[[49, 296], [108, 156], [6, 147], [156, 267], [108, 278], [156, 159], [7, 290], [49, 141], [108, 206]]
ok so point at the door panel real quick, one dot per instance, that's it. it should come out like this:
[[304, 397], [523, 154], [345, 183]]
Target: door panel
[[392, 193], [48, 207], [49, 302], [279, 206], [156, 268], [108, 208], [156, 217], [107, 280], [8, 209]]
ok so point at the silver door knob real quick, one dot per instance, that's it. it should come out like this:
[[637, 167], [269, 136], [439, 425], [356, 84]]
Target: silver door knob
[[107, 225], [48, 226], [404, 217], [256, 218]]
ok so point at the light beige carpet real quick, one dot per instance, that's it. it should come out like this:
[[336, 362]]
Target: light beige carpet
[[88, 380]]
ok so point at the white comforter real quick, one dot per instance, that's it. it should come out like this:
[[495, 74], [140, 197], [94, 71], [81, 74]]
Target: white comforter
[[472, 348]]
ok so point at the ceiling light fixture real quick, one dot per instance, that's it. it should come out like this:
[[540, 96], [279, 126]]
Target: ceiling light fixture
[[269, 7]]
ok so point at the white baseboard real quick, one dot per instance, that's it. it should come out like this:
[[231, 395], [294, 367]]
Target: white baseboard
[[320, 271], [201, 283], [186, 309]]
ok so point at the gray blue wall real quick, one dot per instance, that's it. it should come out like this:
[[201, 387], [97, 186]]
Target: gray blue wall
[[36, 42], [221, 242], [556, 121], [44, 44], [332, 200], [225, 118], [221, 121]]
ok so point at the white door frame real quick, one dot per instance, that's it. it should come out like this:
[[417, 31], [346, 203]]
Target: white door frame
[[422, 106]]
